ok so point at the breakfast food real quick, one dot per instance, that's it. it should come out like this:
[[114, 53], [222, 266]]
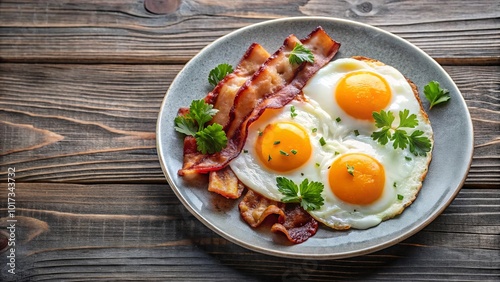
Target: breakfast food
[[342, 142]]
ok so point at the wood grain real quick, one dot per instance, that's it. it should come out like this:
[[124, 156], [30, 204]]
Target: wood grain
[[125, 32], [105, 119], [81, 83], [101, 231]]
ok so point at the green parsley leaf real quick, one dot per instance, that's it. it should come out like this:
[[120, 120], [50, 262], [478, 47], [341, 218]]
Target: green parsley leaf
[[407, 120], [201, 112], [211, 139], [308, 194], [311, 195], [300, 54], [218, 73], [435, 94], [288, 188], [293, 151], [284, 153], [418, 145], [185, 125], [400, 139], [382, 135], [400, 197], [383, 119], [277, 142]]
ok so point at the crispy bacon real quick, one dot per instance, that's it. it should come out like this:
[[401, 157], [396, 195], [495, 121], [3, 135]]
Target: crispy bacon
[[293, 221], [296, 224], [274, 85], [224, 182], [254, 208], [222, 97]]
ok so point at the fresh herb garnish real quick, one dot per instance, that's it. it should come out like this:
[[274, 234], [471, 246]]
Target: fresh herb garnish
[[322, 141], [338, 119], [276, 142], [435, 94], [293, 113], [419, 145], [284, 153], [308, 194], [300, 54], [400, 197], [218, 73], [210, 139], [350, 169], [293, 151]]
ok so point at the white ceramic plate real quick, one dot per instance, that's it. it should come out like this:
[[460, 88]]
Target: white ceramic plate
[[451, 123]]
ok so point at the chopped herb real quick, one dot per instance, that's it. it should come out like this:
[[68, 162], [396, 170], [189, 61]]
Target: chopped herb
[[277, 142], [400, 197], [322, 141], [260, 133], [314, 130], [350, 169], [293, 151], [356, 132], [407, 158], [435, 94], [394, 185], [300, 54], [317, 164], [269, 158], [308, 194], [293, 113], [284, 153], [245, 151], [338, 119]]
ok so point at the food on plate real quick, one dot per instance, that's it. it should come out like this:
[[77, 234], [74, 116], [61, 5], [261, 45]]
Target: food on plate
[[343, 142], [276, 83]]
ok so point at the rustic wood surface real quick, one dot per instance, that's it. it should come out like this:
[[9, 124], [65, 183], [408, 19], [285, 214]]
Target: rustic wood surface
[[81, 83]]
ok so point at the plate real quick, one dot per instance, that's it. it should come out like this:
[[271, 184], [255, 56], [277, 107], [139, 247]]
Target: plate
[[450, 122]]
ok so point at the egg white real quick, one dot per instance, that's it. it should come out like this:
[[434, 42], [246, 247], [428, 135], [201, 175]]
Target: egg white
[[249, 169]]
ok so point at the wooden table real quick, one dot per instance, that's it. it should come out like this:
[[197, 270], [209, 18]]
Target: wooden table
[[81, 83]]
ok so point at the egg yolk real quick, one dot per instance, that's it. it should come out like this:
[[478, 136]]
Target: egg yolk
[[360, 93], [283, 146], [357, 178]]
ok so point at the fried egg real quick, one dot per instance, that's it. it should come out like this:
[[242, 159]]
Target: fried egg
[[364, 181], [350, 90], [285, 142]]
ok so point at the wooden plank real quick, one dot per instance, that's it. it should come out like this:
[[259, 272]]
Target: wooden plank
[[96, 123], [125, 32], [136, 232]]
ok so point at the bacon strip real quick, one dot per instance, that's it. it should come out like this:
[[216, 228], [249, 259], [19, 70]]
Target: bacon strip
[[296, 224], [274, 85], [222, 97], [254, 208], [224, 182]]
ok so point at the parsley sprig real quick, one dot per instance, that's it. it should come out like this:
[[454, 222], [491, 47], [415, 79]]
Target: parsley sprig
[[435, 94], [300, 54], [419, 145], [218, 73], [209, 139], [308, 194]]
